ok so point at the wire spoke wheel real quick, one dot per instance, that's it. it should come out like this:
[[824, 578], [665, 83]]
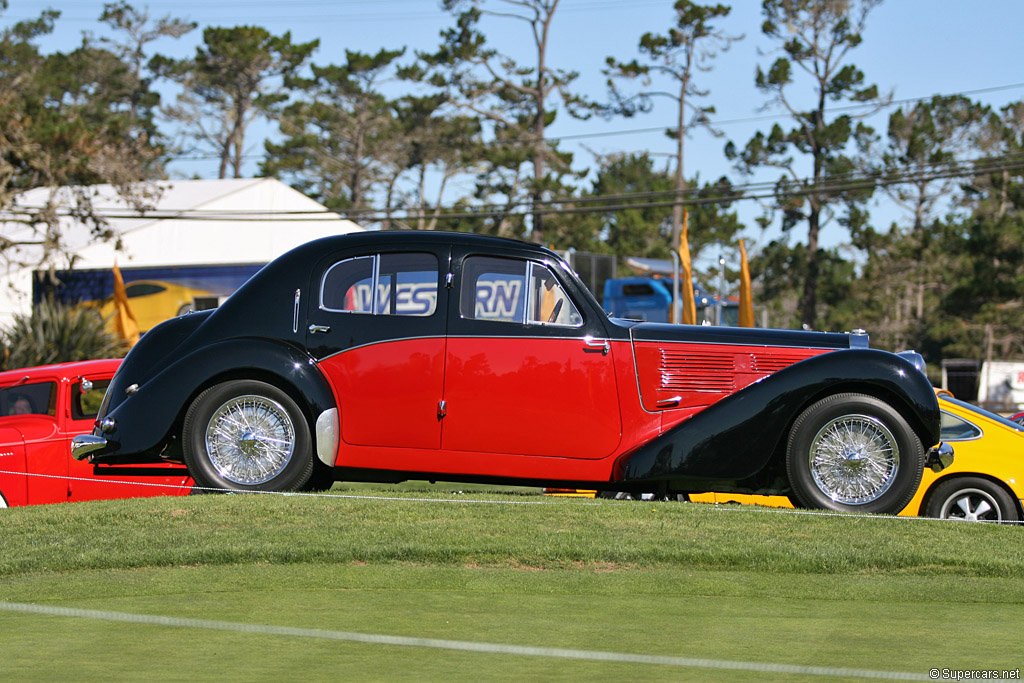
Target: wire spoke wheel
[[853, 453], [854, 459], [246, 435], [250, 439]]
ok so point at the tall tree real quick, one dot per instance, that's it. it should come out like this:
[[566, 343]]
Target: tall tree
[[927, 148], [637, 222], [519, 102], [989, 292], [674, 57], [229, 83], [64, 125], [438, 147], [341, 135], [137, 31], [816, 38]]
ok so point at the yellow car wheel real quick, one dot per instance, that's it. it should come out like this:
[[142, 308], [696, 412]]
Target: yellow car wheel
[[972, 499]]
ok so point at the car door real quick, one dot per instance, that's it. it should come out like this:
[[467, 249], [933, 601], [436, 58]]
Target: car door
[[529, 370], [376, 325]]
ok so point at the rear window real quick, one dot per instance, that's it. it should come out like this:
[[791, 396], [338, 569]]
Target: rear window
[[382, 284], [637, 289]]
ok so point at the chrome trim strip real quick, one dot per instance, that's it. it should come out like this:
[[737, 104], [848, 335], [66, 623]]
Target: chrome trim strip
[[528, 286], [327, 436], [84, 444], [375, 295], [752, 343], [466, 336], [323, 281], [636, 376]]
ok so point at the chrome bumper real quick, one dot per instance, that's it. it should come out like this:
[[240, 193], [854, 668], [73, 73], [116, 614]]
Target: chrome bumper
[[84, 444], [939, 457]]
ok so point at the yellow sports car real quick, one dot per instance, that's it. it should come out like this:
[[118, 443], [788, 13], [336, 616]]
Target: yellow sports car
[[152, 302], [985, 483]]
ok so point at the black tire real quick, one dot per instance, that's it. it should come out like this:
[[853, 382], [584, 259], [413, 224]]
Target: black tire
[[322, 478], [246, 435], [971, 499], [853, 453]]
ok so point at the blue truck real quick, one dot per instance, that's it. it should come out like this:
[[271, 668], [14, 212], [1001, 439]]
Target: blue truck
[[650, 299]]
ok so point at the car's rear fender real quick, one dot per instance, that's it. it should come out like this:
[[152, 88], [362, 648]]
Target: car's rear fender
[[739, 436], [143, 428]]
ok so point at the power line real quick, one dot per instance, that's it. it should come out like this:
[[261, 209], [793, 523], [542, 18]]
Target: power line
[[578, 205]]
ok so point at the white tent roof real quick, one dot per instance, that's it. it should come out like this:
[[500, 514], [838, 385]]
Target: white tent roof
[[193, 222]]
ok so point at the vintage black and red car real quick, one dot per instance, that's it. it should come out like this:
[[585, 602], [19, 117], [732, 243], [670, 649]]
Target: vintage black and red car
[[418, 355], [41, 409]]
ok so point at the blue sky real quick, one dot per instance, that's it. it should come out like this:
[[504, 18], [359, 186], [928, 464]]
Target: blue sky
[[913, 48]]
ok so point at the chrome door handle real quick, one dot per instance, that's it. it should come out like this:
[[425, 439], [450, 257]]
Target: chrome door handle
[[313, 329], [591, 345], [669, 402]]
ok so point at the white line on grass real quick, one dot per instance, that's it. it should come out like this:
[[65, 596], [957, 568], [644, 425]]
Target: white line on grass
[[460, 645]]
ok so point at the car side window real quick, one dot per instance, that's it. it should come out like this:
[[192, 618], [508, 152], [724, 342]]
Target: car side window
[[134, 289], [85, 405], [29, 399], [382, 284], [952, 428], [514, 290]]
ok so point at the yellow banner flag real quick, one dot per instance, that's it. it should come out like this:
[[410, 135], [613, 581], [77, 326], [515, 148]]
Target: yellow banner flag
[[124, 321], [746, 294], [686, 276]]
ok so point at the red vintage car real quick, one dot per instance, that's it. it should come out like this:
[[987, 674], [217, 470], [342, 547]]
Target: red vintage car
[[421, 355], [41, 409]]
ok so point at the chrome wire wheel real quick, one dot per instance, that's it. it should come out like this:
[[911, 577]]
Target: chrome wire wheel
[[854, 459], [250, 439]]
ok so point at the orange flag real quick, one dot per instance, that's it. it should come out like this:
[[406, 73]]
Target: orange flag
[[746, 295], [124, 321], [686, 276]]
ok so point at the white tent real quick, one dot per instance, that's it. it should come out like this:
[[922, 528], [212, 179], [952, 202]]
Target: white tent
[[192, 222]]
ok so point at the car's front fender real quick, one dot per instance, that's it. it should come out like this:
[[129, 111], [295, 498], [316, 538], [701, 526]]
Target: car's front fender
[[736, 437], [140, 426]]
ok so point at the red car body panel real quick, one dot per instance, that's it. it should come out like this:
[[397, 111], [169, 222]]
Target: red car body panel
[[374, 383], [36, 466], [699, 375], [514, 378]]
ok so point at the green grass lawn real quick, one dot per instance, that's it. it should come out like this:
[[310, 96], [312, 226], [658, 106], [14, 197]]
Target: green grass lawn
[[705, 586]]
